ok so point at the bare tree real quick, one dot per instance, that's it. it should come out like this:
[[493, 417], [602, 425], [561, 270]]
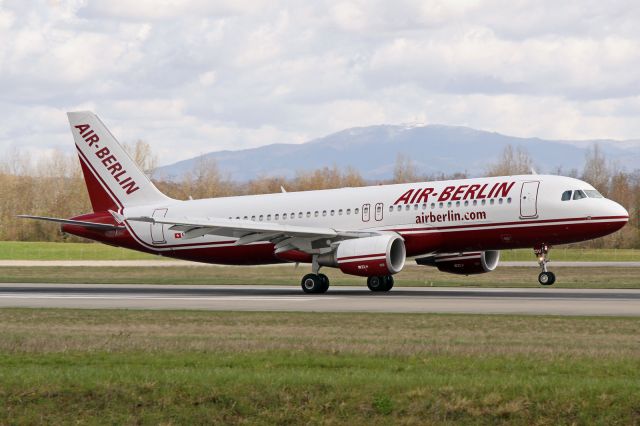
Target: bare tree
[[405, 170], [596, 171], [512, 162]]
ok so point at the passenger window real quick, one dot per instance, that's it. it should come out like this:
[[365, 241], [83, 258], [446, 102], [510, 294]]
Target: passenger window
[[277, 216], [308, 214], [333, 212], [245, 218], [356, 211], [424, 206], [466, 203], [299, 215], [415, 207], [390, 209], [340, 212], [449, 204], [316, 213], [407, 207], [253, 218], [324, 212], [492, 201], [457, 203], [348, 211], [577, 195], [284, 216], [399, 208], [268, 217], [566, 195], [261, 217]]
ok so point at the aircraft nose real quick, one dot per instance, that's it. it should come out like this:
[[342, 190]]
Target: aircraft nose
[[616, 209]]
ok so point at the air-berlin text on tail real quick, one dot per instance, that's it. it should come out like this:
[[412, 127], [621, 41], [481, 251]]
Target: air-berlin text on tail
[[107, 159], [456, 193]]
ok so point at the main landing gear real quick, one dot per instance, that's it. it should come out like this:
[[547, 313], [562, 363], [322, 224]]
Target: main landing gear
[[315, 282], [546, 277], [380, 283]]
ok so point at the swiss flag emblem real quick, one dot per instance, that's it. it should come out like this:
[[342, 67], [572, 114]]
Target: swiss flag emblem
[[177, 235]]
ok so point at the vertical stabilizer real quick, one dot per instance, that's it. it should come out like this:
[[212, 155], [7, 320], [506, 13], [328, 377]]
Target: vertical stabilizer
[[113, 179]]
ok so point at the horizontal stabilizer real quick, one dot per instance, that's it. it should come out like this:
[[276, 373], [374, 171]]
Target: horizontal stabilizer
[[85, 224]]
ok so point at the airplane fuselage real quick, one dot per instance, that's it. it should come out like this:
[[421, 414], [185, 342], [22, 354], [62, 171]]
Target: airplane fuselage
[[447, 216]]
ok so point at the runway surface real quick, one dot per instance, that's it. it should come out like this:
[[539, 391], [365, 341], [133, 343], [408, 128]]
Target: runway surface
[[167, 263], [543, 301]]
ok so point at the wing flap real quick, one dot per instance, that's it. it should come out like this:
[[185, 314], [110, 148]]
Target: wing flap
[[237, 228]]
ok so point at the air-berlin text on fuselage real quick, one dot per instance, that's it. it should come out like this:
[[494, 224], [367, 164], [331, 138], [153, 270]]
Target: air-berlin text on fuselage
[[456, 193], [108, 160]]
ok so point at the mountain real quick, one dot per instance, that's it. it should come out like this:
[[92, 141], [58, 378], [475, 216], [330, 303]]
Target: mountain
[[433, 149]]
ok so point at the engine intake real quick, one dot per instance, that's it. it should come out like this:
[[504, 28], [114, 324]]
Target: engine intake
[[463, 263], [369, 256]]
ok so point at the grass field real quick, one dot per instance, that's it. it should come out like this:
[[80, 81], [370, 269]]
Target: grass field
[[171, 367], [15, 250], [412, 275]]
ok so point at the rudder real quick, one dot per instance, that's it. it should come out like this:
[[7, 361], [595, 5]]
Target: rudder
[[113, 179]]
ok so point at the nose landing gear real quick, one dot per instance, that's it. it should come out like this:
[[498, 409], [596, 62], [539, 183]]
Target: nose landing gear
[[546, 277]]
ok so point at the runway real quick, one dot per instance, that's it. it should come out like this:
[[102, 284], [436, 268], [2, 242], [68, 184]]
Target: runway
[[539, 301]]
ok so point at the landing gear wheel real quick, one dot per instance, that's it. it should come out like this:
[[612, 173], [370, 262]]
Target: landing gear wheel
[[388, 283], [375, 283], [546, 278], [380, 283], [313, 283], [325, 282]]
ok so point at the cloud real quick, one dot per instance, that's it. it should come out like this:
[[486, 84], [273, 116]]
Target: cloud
[[196, 76]]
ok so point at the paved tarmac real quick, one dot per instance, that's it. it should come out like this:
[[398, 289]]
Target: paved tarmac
[[541, 301], [165, 262]]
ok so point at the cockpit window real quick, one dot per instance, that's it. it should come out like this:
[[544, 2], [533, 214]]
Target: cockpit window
[[566, 195], [592, 193], [579, 194]]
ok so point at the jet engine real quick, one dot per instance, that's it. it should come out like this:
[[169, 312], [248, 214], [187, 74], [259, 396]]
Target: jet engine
[[463, 263], [369, 256]]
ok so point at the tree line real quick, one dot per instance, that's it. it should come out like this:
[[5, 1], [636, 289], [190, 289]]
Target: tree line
[[54, 186]]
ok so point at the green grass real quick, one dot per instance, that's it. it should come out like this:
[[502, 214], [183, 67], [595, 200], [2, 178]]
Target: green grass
[[151, 367], [412, 275], [16, 250]]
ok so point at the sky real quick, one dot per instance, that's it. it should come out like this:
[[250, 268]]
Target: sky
[[195, 76]]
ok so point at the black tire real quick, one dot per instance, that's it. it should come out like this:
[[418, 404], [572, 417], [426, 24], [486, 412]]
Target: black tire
[[312, 283], [553, 278], [325, 282], [388, 282], [546, 278], [376, 283]]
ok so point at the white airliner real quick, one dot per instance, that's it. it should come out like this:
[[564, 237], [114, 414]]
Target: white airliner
[[457, 226]]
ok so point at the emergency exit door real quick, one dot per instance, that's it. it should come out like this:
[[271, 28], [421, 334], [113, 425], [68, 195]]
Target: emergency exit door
[[529, 199], [157, 229]]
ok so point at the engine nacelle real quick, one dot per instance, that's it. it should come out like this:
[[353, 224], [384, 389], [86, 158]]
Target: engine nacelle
[[369, 256], [463, 263]]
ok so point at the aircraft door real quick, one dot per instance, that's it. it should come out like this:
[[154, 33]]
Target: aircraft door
[[529, 199], [366, 214], [157, 229], [379, 211]]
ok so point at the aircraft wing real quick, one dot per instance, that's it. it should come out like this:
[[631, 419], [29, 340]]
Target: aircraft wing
[[286, 237]]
